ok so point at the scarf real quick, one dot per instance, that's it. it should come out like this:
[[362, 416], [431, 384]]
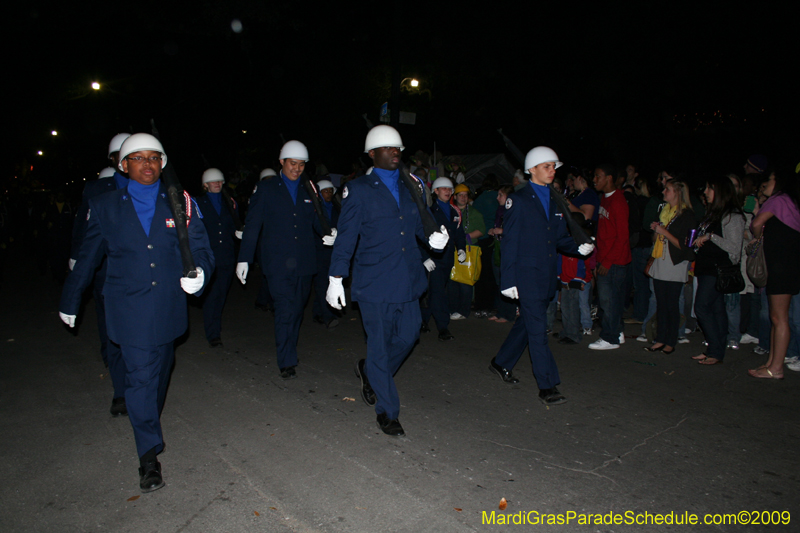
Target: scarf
[[666, 217]]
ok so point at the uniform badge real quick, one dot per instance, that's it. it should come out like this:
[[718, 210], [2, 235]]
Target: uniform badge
[[344, 192], [89, 212], [170, 223], [509, 203], [307, 201]]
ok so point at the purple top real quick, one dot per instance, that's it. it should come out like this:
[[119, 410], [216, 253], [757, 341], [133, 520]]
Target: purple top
[[782, 206]]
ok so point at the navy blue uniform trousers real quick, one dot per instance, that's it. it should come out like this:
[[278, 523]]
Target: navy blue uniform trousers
[[112, 355], [216, 294], [290, 294], [392, 330], [530, 329], [145, 391]]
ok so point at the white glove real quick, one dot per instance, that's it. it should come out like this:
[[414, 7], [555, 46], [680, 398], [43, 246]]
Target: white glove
[[192, 285], [238, 234], [585, 249], [462, 256], [429, 265], [241, 272], [335, 295], [71, 263], [511, 292], [67, 319], [327, 240], [438, 239]]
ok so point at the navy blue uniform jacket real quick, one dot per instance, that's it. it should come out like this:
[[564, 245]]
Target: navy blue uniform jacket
[[145, 304], [387, 267], [531, 243], [457, 241], [287, 230], [221, 229], [90, 190]]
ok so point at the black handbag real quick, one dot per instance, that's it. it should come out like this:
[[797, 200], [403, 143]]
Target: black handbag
[[729, 279]]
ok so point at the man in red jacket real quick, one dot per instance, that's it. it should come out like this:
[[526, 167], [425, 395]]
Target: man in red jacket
[[613, 258]]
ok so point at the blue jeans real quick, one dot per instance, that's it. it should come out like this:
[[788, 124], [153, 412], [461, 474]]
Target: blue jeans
[[571, 313], [710, 309], [641, 283], [585, 299], [734, 311], [612, 300], [764, 323], [651, 309]]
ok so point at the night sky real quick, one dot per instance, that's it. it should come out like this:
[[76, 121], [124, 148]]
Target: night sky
[[698, 90]]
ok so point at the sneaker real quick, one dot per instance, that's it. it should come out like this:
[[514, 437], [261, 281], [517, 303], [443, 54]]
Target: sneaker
[[642, 338], [748, 339], [795, 366], [457, 316], [683, 340], [760, 351], [687, 331], [600, 344], [733, 345], [792, 359], [622, 338], [588, 331]]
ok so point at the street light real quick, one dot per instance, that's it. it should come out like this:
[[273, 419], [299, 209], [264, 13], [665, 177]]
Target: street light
[[54, 133], [95, 86]]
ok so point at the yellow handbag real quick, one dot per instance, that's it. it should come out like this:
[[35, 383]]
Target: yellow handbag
[[468, 272]]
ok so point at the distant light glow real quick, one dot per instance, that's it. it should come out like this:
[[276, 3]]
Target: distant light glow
[[236, 26], [415, 82], [244, 131], [40, 152], [95, 86], [54, 133]]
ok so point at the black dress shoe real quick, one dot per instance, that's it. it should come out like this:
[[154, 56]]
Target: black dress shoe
[[504, 374], [215, 342], [333, 323], [118, 407], [551, 396], [445, 335], [367, 394], [288, 372], [390, 427], [150, 476], [566, 340], [424, 328]]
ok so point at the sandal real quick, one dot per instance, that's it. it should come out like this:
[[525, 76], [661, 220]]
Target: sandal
[[710, 361], [770, 375], [500, 320], [699, 358]]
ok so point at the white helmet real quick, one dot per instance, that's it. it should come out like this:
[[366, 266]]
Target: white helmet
[[325, 184], [294, 150], [213, 174], [383, 137], [116, 142], [442, 183], [138, 142], [266, 172], [106, 173], [540, 154]]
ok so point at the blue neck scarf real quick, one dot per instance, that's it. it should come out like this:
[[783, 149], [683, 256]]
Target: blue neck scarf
[[120, 180], [328, 209], [390, 178], [445, 207], [144, 202], [216, 201], [542, 192], [291, 186]]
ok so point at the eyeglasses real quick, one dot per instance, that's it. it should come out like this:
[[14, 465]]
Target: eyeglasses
[[139, 159]]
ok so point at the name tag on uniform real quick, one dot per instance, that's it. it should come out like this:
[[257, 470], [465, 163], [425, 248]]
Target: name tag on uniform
[[560, 215], [170, 223], [307, 201]]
